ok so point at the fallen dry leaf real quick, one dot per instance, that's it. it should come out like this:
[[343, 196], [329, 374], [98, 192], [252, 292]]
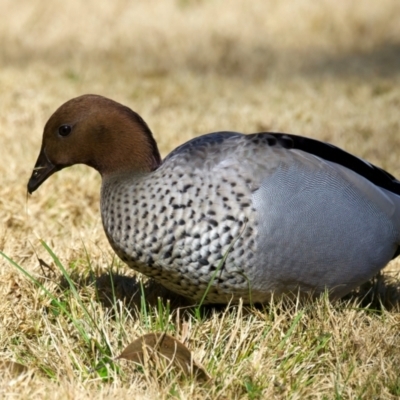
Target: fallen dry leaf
[[146, 346]]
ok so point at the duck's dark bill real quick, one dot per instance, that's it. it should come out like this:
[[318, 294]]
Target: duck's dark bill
[[42, 170]]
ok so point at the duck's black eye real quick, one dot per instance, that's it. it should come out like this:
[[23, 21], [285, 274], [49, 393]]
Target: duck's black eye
[[64, 130]]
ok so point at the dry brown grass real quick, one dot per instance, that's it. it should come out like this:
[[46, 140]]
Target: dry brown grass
[[328, 69]]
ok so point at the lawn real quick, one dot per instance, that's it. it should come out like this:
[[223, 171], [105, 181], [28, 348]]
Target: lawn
[[328, 70]]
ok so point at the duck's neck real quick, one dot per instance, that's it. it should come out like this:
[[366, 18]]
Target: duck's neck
[[128, 161], [129, 150], [128, 177]]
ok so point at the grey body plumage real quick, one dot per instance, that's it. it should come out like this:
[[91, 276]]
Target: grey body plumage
[[252, 216]]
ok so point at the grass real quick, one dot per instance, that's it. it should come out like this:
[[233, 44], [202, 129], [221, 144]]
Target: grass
[[328, 70]]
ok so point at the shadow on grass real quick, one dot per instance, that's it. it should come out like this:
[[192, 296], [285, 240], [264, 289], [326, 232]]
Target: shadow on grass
[[260, 62], [382, 61], [228, 59], [382, 292], [129, 290]]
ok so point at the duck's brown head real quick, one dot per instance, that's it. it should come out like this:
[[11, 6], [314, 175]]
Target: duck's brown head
[[98, 132]]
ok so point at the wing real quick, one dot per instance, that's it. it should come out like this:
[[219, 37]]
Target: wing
[[334, 154]]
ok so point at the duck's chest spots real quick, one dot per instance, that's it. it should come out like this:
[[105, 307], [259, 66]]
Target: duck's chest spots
[[184, 232]]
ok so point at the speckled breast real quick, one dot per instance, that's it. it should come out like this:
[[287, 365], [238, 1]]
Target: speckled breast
[[187, 232]]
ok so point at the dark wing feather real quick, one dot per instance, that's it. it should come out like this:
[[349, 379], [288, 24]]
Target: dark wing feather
[[328, 152]]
